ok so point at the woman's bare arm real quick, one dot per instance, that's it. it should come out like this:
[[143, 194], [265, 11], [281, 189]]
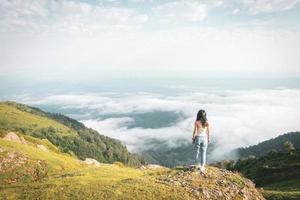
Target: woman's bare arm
[[208, 132], [195, 129]]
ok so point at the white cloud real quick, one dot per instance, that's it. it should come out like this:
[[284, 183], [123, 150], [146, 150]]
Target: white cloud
[[137, 1], [79, 38], [65, 16], [236, 11], [269, 6], [178, 11], [22, 14], [237, 118], [210, 51]]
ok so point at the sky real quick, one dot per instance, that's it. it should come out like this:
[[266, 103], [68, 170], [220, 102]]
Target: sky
[[72, 40]]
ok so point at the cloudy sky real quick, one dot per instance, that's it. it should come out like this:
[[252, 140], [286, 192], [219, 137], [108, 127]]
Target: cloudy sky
[[115, 65], [98, 39]]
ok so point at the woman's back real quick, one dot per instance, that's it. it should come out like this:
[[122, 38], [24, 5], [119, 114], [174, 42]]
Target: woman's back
[[201, 130]]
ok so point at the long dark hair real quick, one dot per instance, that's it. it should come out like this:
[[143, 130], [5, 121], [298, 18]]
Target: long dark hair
[[201, 116]]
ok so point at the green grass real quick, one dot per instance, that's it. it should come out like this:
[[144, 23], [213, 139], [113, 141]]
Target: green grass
[[69, 178], [44, 142], [235, 178], [66, 177], [290, 185], [284, 190], [56, 161], [12, 117], [281, 195]]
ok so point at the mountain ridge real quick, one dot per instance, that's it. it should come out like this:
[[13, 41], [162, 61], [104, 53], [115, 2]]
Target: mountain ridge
[[69, 135], [276, 143]]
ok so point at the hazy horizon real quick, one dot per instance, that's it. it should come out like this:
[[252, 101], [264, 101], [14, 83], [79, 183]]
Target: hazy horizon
[[239, 117]]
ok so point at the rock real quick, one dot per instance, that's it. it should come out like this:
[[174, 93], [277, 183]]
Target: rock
[[196, 192], [23, 141], [42, 147], [152, 166], [11, 136], [214, 184], [91, 161]]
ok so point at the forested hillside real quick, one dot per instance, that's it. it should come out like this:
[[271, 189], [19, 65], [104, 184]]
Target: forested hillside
[[265, 147], [276, 171], [69, 135]]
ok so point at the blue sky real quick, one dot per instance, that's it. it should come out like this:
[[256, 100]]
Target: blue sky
[[85, 40]]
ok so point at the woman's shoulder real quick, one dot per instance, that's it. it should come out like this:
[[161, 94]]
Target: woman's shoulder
[[199, 123]]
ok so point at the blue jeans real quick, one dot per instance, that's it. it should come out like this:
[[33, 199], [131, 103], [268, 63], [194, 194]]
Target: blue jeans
[[200, 147]]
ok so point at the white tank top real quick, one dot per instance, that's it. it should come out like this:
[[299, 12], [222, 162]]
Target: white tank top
[[201, 132]]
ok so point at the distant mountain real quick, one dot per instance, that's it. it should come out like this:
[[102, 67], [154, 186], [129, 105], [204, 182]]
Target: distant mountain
[[273, 164], [277, 172], [69, 135], [265, 147], [272, 168]]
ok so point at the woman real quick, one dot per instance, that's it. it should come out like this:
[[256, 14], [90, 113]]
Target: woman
[[201, 138]]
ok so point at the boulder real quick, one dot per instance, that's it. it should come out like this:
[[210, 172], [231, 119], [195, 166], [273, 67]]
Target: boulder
[[42, 147], [91, 161], [152, 166], [11, 136]]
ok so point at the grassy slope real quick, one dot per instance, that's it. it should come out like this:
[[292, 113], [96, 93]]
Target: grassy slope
[[67, 177], [70, 178], [283, 190], [67, 134], [10, 117]]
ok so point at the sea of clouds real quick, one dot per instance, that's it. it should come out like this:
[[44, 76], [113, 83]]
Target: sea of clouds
[[237, 117]]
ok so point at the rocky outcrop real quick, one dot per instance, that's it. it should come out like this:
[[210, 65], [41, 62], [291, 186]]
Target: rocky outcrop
[[215, 183], [92, 162], [11, 136]]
